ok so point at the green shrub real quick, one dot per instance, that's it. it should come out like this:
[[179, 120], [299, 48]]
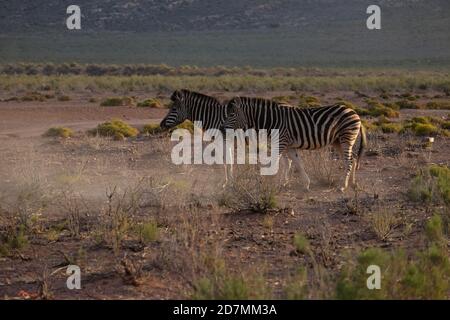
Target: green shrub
[[150, 103], [113, 127], [14, 239], [308, 101], [425, 276], [376, 109], [431, 184], [297, 288], [148, 231], [425, 129], [59, 132], [301, 243], [434, 229], [188, 125], [151, 128], [221, 284], [370, 126], [117, 102], [391, 127], [112, 102]]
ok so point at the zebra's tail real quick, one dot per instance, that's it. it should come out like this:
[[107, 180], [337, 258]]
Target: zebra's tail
[[362, 145]]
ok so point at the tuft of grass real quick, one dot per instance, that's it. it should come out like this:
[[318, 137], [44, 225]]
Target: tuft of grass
[[376, 109], [113, 127], [148, 231], [434, 230], [431, 184], [301, 243], [426, 129], [14, 239], [118, 102], [59, 132], [297, 288], [424, 276], [308, 101], [249, 191], [222, 284], [383, 223], [391, 127], [151, 129], [150, 103]]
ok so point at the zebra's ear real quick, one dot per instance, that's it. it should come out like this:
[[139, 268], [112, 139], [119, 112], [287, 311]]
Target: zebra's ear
[[176, 96]]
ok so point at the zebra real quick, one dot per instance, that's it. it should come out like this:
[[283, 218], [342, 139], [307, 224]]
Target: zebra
[[310, 128], [195, 106]]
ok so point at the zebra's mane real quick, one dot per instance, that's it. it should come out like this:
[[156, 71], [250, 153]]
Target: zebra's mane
[[188, 93], [258, 101]]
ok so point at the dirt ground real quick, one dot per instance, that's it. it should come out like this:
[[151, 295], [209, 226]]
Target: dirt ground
[[184, 200]]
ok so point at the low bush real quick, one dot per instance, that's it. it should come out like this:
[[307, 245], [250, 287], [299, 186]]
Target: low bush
[[391, 127], [118, 102], [431, 184], [59, 132], [147, 231], [33, 96], [150, 103], [114, 127], [222, 284], [249, 191], [151, 128]]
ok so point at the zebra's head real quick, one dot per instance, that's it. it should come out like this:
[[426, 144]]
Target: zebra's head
[[235, 118], [178, 111]]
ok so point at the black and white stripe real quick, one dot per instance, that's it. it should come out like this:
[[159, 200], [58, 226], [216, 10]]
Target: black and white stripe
[[194, 106], [309, 128]]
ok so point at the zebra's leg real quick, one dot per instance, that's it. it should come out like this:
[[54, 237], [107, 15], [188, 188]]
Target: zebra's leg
[[286, 163], [298, 162], [226, 175], [228, 172], [348, 163]]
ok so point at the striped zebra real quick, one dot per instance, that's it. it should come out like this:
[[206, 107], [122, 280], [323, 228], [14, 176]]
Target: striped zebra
[[194, 106], [310, 128]]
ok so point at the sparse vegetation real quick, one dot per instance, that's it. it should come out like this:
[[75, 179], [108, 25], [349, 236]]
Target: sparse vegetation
[[150, 103], [147, 231], [151, 129], [223, 284], [249, 191], [113, 128], [431, 184], [59, 132], [118, 102], [425, 275]]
